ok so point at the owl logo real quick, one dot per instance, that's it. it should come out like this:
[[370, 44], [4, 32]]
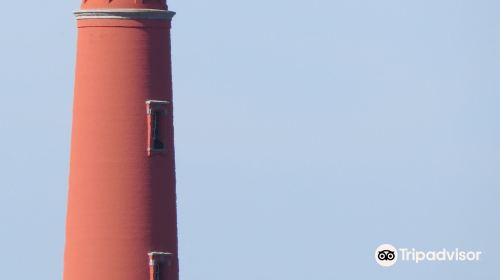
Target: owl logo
[[386, 255]]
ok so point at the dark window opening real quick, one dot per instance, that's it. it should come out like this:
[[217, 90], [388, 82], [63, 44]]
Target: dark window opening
[[159, 263], [157, 121], [157, 143], [157, 272]]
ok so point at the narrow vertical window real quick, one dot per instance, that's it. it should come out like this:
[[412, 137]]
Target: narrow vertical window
[[157, 143], [159, 263], [156, 112], [156, 274]]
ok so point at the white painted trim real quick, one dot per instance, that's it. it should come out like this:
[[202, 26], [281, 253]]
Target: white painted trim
[[157, 102], [161, 255], [124, 14]]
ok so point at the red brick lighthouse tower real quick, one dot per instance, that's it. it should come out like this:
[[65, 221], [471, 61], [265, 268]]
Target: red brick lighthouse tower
[[121, 221]]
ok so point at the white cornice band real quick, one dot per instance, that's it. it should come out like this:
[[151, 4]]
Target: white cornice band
[[124, 14]]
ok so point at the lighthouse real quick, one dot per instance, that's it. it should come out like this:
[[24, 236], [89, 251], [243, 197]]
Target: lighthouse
[[121, 217]]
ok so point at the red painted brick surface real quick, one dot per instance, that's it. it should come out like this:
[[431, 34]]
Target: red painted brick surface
[[122, 202]]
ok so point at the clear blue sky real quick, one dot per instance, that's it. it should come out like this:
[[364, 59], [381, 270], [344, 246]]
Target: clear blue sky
[[307, 133]]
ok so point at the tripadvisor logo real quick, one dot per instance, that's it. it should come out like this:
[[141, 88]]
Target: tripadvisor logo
[[387, 255]]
